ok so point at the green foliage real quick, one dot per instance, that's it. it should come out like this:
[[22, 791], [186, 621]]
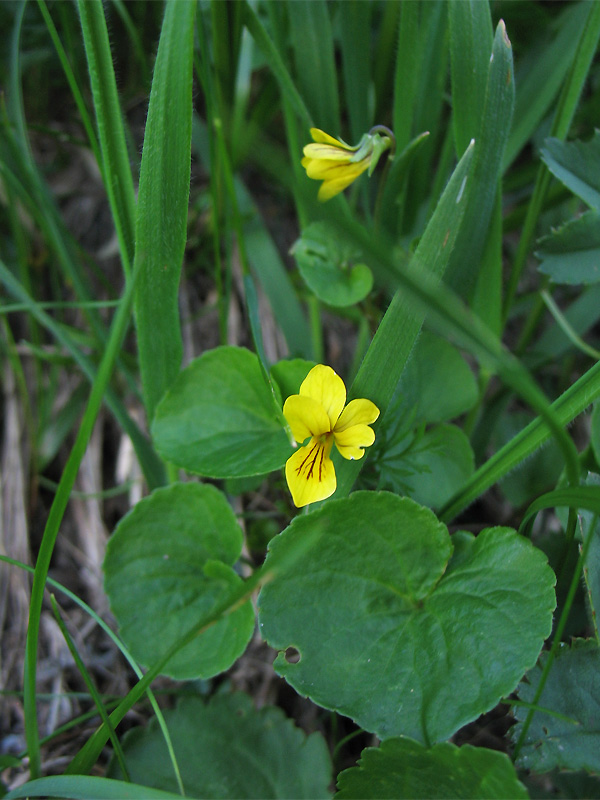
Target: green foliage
[[416, 284], [391, 602], [401, 768], [564, 732], [219, 419], [169, 562], [328, 265], [271, 757], [162, 208]]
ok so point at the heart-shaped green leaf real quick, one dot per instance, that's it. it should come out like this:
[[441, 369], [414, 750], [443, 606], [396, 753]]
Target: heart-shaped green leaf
[[329, 266], [167, 564], [228, 749], [219, 418], [396, 630], [402, 768]]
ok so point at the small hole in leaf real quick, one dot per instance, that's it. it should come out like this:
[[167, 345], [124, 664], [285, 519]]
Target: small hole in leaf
[[292, 655]]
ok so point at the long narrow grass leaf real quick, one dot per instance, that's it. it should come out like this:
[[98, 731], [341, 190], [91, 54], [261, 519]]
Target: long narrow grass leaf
[[111, 133], [312, 43], [84, 787], [161, 228]]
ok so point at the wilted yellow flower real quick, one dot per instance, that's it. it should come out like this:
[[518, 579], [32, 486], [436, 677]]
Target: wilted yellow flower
[[338, 164], [318, 411]]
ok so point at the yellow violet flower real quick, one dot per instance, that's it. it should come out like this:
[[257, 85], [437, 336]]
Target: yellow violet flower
[[338, 164], [318, 411]]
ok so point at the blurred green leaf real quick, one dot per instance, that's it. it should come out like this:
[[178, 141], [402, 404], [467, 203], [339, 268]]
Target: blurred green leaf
[[228, 749], [328, 265], [540, 74], [84, 787], [404, 769], [437, 381], [437, 628], [311, 39], [219, 419], [569, 735], [577, 165], [168, 563], [571, 254]]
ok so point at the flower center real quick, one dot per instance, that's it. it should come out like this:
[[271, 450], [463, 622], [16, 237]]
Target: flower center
[[312, 465]]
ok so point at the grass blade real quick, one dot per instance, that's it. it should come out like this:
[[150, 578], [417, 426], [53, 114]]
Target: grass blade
[[312, 43], [111, 133], [161, 228]]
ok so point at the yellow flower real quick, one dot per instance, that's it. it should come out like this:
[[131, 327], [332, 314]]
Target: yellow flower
[[318, 411], [338, 164]]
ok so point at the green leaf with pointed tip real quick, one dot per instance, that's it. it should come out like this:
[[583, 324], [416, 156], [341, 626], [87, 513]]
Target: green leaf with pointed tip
[[167, 564], [577, 165], [571, 254], [328, 266], [219, 419], [569, 736], [399, 626], [402, 768], [229, 749]]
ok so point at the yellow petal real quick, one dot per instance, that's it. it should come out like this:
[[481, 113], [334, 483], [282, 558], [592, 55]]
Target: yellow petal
[[322, 170], [351, 440], [310, 473], [327, 388], [341, 177], [306, 417], [357, 412], [324, 138], [326, 151]]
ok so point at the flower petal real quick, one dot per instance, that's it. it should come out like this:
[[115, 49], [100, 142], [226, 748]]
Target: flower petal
[[310, 473], [357, 412], [306, 417], [339, 178], [326, 151], [327, 388], [350, 442], [324, 138]]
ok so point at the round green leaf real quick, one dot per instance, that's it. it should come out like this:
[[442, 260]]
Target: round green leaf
[[392, 631], [228, 749], [167, 564], [219, 418], [328, 265], [402, 768], [569, 736]]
